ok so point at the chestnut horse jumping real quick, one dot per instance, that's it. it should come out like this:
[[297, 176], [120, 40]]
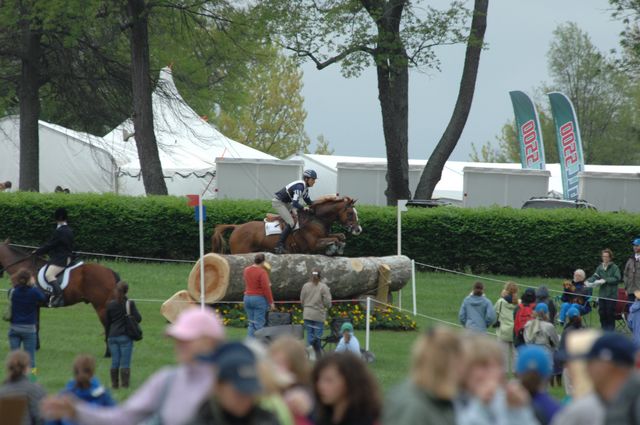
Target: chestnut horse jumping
[[90, 283], [312, 237]]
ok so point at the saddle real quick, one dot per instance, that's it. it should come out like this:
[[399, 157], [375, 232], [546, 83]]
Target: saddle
[[66, 274]]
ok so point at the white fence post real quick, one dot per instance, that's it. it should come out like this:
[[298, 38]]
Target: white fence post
[[413, 286], [366, 338]]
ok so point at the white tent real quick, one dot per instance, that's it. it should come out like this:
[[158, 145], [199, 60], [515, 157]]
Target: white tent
[[188, 145], [68, 158]]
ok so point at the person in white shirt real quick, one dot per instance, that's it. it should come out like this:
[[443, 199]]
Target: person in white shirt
[[348, 342]]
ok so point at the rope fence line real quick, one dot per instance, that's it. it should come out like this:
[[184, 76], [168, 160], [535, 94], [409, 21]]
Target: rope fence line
[[528, 285], [128, 257]]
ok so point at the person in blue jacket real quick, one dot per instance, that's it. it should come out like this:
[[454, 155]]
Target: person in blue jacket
[[476, 312], [24, 298], [287, 203], [85, 386]]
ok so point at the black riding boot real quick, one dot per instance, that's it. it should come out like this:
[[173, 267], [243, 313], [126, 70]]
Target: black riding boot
[[56, 299], [280, 249]]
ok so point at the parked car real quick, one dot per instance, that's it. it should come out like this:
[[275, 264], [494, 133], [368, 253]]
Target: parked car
[[432, 203], [549, 203]]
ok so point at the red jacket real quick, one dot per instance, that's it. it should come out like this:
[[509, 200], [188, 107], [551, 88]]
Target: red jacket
[[256, 282]]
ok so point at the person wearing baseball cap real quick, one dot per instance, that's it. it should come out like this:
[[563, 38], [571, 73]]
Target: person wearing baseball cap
[[172, 395], [631, 272], [534, 368], [610, 364], [235, 396], [348, 342]]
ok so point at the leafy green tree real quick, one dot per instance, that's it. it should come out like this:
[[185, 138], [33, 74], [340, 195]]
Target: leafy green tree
[[322, 146], [272, 118], [391, 35]]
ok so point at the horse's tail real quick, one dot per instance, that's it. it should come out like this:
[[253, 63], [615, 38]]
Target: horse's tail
[[218, 244]]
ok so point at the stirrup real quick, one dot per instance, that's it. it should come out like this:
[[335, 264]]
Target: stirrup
[[280, 249]]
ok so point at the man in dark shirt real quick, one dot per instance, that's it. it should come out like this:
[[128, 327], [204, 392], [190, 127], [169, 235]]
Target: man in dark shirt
[[60, 249]]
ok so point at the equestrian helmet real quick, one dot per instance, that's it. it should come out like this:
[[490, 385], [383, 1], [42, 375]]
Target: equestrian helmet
[[60, 214], [311, 174]]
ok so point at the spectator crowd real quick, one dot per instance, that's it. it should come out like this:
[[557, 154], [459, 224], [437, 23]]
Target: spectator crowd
[[467, 377]]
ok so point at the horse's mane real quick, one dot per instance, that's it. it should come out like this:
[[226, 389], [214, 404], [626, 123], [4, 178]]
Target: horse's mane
[[330, 198]]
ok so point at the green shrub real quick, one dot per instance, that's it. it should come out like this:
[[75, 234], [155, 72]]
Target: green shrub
[[489, 240]]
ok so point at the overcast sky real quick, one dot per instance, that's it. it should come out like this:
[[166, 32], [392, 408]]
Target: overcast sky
[[347, 111]]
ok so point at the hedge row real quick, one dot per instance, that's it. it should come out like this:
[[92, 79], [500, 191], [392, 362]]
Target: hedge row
[[495, 240]]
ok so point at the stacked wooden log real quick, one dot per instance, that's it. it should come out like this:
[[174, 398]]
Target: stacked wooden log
[[348, 278]]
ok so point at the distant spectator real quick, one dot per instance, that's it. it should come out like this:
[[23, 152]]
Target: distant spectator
[[540, 331], [522, 314], [611, 368], [476, 312], [348, 342], [631, 275], [427, 396], [579, 301], [572, 286], [542, 296], [505, 308], [5, 186], [607, 277], [315, 298], [346, 391], [290, 357], [17, 384], [85, 386], [235, 397], [487, 399], [258, 298], [534, 369], [633, 319], [24, 297], [584, 407], [120, 344], [172, 395]]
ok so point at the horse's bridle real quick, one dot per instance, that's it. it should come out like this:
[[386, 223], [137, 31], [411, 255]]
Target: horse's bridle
[[5, 268]]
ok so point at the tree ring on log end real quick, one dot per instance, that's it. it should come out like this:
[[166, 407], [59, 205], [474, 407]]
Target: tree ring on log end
[[216, 278], [357, 265]]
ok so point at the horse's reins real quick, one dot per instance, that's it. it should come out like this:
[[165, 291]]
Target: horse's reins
[[4, 268]]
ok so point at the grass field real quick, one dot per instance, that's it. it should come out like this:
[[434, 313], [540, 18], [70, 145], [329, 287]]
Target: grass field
[[71, 330]]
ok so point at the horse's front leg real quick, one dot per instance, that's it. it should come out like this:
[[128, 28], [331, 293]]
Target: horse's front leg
[[329, 245]]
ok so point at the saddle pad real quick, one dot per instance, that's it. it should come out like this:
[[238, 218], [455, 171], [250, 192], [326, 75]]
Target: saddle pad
[[273, 227], [65, 277]]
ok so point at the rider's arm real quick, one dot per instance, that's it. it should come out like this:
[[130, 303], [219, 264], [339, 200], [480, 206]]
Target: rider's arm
[[307, 199], [295, 199], [49, 245]]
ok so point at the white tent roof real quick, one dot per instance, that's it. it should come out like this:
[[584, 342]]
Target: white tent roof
[[68, 158], [187, 143]]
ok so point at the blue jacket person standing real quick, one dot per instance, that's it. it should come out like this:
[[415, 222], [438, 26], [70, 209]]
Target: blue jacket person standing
[[476, 312]]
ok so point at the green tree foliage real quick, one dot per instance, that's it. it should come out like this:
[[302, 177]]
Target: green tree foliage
[[272, 117], [604, 96], [322, 146]]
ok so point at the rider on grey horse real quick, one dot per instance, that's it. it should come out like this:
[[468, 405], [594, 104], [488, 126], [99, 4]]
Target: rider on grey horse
[[60, 250], [288, 197]]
